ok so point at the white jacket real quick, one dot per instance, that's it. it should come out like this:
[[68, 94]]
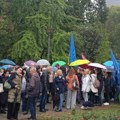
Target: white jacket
[[86, 83], [93, 89]]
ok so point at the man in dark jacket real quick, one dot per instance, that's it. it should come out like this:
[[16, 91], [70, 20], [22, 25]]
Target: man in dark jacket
[[45, 89], [33, 89]]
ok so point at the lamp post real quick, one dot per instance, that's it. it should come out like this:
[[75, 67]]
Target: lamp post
[[49, 42]]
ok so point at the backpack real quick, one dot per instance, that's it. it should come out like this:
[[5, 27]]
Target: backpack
[[96, 83]]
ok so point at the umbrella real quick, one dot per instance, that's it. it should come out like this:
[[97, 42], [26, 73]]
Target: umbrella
[[108, 63], [7, 62], [110, 69], [79, 62], [29, 63], [97, 65], [54, 69], [86, 66], [5, 67], [60, 63], [43, 62]]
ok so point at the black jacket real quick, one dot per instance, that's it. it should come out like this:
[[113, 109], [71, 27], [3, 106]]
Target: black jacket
[[45, 81]]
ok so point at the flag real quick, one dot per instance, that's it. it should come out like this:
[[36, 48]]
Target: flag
[[83, 56], [116, 67], [72, 52]]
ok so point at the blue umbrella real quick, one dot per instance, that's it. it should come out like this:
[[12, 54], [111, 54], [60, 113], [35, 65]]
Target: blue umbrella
[[5, 67], [108, 63], [7, 62]]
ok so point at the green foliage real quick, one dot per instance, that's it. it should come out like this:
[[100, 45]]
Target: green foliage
[[103, 52], [88, 114], [90, 41], [25, 48], [60, 46], [31, 21], [113, 28]]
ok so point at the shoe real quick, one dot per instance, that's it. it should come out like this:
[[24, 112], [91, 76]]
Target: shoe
[[2, 111], [25, 113], [48, 102], [58, 110], [31, 118], [38, 105], [43, 110], [82, 107], [46, 109]]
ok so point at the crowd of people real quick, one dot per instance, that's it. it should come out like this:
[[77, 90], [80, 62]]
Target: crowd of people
[[65, 87]]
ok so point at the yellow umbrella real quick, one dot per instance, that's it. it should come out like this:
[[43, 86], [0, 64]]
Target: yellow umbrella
[[79, 62]]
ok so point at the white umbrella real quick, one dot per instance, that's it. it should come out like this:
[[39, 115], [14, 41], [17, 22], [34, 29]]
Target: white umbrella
[[97, 65], [43, 62]]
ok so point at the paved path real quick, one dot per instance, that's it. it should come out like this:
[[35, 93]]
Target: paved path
[[49, 113]]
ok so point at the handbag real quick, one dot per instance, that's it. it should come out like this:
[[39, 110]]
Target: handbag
[[74, 84], [1, 88], [7, 85], [96, 83]]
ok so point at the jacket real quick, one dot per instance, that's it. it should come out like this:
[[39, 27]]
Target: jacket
[[70, 81], [60, 84], [33, 87], [86, 83], [93, 78], [14, 93], [45, 81]]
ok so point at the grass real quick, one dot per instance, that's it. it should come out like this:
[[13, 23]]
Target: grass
[[111, 112]]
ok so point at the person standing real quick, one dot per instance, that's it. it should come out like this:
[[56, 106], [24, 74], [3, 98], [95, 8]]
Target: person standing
[[14, 94], [86, 84], [101, 78], [4, 95], [33, 89], [45, 88], [107, 86], [23, 93], [71, 93], [94, 90], [1, 94], [60, 89]]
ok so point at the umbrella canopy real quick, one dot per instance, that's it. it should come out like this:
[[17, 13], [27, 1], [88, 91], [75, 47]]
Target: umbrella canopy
[[79, 62], [97, 65], [60, 63], [7, 62], [54, 69], [108, 63], [43, 62], [5, 67], [29, 63]]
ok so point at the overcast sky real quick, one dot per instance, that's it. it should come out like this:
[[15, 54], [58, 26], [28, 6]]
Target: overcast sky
[[113, 2]]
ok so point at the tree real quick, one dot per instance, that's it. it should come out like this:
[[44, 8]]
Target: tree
[[103, 52], [26, 48], [102, 11], [90, 41], [113, 28]]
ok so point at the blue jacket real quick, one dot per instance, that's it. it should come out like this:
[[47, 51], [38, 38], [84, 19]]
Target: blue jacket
[[60, 84]]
